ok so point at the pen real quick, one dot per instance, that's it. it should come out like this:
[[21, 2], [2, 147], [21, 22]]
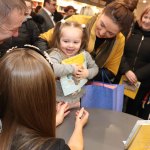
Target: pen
[[81, 115]]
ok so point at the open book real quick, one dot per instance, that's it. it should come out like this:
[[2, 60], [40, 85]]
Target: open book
[[139, 138], [130, 90], [69, 83]]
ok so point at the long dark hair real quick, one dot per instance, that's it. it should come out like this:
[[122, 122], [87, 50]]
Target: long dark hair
[[27, 99]]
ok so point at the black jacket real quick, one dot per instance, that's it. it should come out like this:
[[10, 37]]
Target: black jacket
[[137, 54]]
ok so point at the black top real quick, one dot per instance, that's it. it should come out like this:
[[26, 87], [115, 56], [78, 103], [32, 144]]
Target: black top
[[59, 144], [137, 54], [25, 141], [98, 42]]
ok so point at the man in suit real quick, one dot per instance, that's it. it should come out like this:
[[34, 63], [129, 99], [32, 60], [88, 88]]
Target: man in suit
[[47, 13]]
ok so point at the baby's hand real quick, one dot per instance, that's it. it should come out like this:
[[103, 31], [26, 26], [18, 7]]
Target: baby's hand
[[82, 73], [76, 69]]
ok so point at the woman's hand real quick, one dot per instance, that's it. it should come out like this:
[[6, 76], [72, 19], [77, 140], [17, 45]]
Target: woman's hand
[[81, 118], [76, 140], [62, 112], [131, 76]]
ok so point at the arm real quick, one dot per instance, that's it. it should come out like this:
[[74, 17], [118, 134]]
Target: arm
[[76, 140], [91, 66], [143, 73], [41, 44], [34, 31], [60, 69]]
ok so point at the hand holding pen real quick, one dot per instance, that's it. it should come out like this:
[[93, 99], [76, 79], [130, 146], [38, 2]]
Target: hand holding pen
[[81, 118]]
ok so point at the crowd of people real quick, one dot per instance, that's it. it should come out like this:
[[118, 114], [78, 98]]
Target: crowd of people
[[32, 48]]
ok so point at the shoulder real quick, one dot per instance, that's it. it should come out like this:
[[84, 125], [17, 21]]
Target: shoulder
[[120, 38], [57, 144], [54, 51], [80, 18], [87, 54]]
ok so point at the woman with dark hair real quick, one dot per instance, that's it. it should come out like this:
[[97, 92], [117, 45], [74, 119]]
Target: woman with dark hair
[[106, 42], [28, 105]]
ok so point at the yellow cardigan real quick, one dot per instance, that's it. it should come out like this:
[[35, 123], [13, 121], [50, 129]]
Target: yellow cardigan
[[113, 61]]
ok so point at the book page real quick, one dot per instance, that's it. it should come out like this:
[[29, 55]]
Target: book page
[[142, 139], [69, 83], [129, 90], [139, 138]]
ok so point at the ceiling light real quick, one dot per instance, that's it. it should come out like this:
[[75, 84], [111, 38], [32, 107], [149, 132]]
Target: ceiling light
[[144, 1]]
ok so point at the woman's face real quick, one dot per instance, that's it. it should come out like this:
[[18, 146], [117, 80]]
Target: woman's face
[[105, 27], [145, 22]]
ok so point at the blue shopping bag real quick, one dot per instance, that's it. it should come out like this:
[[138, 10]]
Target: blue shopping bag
[[103, 96]]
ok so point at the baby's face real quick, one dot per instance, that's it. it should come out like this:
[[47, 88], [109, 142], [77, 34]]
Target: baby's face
[[70, 41]]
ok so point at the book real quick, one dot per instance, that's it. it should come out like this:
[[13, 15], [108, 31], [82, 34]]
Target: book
[[139, 138], [130, 90], [69, 83]]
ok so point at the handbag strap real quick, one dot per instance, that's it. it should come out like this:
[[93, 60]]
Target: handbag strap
[[105, 75]]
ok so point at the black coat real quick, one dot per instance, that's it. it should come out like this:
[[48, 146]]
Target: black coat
[[137, 55]]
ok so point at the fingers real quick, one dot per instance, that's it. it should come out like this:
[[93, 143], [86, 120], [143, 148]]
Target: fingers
[[82, 114]]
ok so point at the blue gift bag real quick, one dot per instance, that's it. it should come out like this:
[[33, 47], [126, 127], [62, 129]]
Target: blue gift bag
[[103, 96]]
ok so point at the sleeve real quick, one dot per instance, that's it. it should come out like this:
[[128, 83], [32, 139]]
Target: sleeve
[[91, 66], [42, 44], [63, 145], [143, 73], [60, 69], [35, 32], [57, 144], [124, 66]]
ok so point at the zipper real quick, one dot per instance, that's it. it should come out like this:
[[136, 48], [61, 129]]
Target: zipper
[[138, 51]]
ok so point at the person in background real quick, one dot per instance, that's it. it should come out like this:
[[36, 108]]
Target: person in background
[[146, 105], [86, 10], [28, 32], [136, 62], [49, 7], [28, 104], [57, 16], [106, 42], [8, 25], [65, 46], [38, 8], [69, 11], [133, 6], [34, 12]]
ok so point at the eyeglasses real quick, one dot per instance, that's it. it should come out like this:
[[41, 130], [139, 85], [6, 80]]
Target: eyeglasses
[[9, 30]]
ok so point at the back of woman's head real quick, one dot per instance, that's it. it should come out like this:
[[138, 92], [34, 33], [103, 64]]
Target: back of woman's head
[[120, 14], [27, 91], [58, 32], [86, 10]]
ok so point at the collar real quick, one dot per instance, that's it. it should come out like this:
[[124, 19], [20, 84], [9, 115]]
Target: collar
[[47, 11]]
